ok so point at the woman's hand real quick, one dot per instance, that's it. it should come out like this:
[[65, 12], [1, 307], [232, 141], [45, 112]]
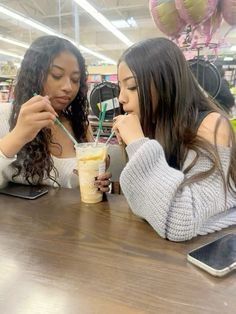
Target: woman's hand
[[102, 182], [36, 114], [127, 128]]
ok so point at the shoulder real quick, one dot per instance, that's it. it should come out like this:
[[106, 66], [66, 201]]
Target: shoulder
[[214, 126]]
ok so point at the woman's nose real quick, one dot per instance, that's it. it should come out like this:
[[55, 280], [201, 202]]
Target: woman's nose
[[122, 98], [67, 85]]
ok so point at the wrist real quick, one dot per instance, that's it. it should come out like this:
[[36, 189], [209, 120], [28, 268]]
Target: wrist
[[11, 144], [135, 145], [134, 139]]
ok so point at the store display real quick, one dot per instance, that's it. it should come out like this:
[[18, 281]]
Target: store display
[[105, 91], [207, 75]]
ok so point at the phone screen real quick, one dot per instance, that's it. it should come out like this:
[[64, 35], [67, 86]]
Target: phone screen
[[24, 191], [218, 254]]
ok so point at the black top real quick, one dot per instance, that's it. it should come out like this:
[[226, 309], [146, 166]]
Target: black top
[[224, 97], [201, 115]]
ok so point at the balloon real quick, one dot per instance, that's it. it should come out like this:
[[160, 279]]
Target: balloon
[[166, 17], [195, 12], [210, 26], [228, 9]]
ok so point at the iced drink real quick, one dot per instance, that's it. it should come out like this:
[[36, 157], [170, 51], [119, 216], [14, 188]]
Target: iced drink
[[91, 162]]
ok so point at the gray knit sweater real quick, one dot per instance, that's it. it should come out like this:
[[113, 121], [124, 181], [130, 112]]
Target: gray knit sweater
[[152, 189]]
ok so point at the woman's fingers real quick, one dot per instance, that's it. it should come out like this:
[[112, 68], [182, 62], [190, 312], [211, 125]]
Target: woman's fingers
[[102, 182], [128, 128], [37, 104], [42, 116], [104, 176]]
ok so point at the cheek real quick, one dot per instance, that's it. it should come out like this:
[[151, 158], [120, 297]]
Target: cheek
[[75, 90], [48, 86], [136, 104]]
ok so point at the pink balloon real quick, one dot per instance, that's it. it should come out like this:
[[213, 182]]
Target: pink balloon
[[210, 26], [228, 9], [195, 12], [166, 17]]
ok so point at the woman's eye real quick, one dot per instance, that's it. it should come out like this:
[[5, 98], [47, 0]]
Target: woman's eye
[[75, 80], [56, 77], [132, 88]]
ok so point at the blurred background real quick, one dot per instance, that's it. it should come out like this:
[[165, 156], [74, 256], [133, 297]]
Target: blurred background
[[103, 29]]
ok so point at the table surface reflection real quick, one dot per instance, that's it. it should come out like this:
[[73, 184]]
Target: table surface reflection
[[58, 255]]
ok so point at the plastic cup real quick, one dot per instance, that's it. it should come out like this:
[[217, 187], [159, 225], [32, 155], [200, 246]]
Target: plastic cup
[[91, 162]]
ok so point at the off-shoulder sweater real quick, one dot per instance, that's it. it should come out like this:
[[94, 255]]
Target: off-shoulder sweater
[[153, 191]]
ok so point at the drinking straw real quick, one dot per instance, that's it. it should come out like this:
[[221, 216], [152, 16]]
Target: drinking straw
[[101, 119], [110, 137], [58, 122], [112, 134]]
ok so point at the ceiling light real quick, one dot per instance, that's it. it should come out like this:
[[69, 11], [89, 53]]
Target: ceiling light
[[103, 20], [96, 54], [120, 24], [50, 31], [228, 58], [3, 52], [27, 21], [233, 48], [131, 21], [14, 42]]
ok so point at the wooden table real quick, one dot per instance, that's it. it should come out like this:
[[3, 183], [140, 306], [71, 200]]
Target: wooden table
[[60, 256]]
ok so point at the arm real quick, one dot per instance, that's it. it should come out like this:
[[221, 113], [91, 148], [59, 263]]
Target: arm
[[152, 189], [34, 115]]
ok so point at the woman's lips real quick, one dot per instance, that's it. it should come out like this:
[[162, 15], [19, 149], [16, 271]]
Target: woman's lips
[[62, 100]]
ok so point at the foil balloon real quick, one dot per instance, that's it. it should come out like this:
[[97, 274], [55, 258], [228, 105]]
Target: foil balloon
[[228, 9], [210, 26], [166, 17], [194, 12]]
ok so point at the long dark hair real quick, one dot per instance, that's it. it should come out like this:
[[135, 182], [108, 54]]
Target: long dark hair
[[159, 67], [34, 160]]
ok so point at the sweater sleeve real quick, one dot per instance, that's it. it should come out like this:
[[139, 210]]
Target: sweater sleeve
[[152, 189]]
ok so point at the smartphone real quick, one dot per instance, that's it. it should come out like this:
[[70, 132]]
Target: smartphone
[[218, 257], [30, 192]]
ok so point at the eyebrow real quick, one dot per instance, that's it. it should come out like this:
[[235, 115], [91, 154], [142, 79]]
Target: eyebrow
[[62, 69], [128, 78]]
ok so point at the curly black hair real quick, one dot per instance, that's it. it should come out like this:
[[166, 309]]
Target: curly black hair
[[34, 160]]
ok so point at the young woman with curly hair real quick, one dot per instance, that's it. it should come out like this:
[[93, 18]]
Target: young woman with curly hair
[[181, 173], [33, 149]]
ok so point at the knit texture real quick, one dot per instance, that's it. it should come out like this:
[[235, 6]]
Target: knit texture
[[152, 189], [65, 166]]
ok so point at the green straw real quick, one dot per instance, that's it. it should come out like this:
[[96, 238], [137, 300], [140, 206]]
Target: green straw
[[58, 122], [101, 119]]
